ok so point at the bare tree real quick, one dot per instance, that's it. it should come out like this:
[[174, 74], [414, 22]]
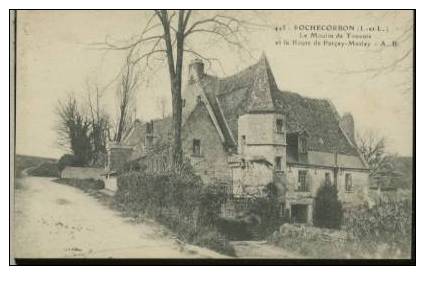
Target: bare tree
[[373, 148], [126, 96], [99, 126], [73, 129], [167, 34]]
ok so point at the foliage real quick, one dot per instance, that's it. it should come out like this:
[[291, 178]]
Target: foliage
[[312, 242], [327, 211], [84, 184], [180, 201], [46, 169], [73, 130], [99, 125], [23, 162], [383, 231], [67, 160], [257, 217], [388, 223]]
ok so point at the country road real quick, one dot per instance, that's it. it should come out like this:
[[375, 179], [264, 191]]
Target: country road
[[58, 221]]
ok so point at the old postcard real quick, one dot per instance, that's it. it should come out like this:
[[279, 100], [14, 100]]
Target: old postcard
[[219, 135]]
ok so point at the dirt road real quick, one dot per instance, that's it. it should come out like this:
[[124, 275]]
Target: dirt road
[[58, 221]]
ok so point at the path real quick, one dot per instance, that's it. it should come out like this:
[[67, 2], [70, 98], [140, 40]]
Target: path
[[58, 221]]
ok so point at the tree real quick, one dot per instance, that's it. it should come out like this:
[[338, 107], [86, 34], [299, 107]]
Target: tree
[[327, 211], [126, 96], [372, 147], [381, 163], [167, 33], [73, 130], [99, 125]]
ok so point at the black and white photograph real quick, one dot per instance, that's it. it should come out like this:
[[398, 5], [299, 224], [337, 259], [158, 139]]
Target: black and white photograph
[[282, 136]]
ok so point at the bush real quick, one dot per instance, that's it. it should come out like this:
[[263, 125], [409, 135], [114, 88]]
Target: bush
[[387, 225], [46, 169], [234, 229], [67, 160], [383, 231], [84, 184], [327, 211], [180, 201], [212, 239], [257, 217]]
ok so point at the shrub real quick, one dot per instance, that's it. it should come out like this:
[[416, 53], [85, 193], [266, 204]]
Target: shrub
[[383, 231], [327, 211], [387, 225], [256, 217], [67, 160], [212, 239], [84, 184], [46, 169], [234, 229], [178, 200]]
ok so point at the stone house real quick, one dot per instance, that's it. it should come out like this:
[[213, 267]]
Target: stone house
[[244, 132]]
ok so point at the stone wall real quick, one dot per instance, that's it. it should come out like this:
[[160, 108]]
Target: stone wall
[[316, 177], [261, 136], [251, 178], [211, 164]]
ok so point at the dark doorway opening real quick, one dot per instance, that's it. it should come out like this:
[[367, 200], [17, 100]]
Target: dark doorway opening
[[299, 214]]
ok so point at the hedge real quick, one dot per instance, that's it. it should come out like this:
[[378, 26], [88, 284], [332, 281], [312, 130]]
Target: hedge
[[181, 202]]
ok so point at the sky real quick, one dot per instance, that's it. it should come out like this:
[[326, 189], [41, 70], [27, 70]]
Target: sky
[[56, 57]]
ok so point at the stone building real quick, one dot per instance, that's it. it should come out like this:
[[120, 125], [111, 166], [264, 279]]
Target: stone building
[[243, 131]]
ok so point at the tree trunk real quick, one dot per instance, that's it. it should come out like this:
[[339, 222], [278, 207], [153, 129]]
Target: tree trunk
[[175, 78]]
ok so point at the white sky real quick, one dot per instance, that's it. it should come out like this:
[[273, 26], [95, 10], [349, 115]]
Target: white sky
[[55, 58]]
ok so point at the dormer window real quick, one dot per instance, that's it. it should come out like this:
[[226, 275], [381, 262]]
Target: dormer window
[[279, 126]]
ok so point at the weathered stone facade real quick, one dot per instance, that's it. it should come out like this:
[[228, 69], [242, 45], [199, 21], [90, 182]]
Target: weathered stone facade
[[243, 131]]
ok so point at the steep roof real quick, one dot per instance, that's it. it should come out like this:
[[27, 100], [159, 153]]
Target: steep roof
[[254, 89]]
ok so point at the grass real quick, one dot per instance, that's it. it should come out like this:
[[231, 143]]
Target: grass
[[45, 169], [25, 161], [83, 184]]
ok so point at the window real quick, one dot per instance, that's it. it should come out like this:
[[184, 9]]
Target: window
[[243, 143], [196, 149], [278, 163], [302, 180], [279, 126], [303, 145], [348, 182], [327, 178]]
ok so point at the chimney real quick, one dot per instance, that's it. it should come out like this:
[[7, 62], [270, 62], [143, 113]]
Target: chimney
[[347, 125], [196, 70]]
